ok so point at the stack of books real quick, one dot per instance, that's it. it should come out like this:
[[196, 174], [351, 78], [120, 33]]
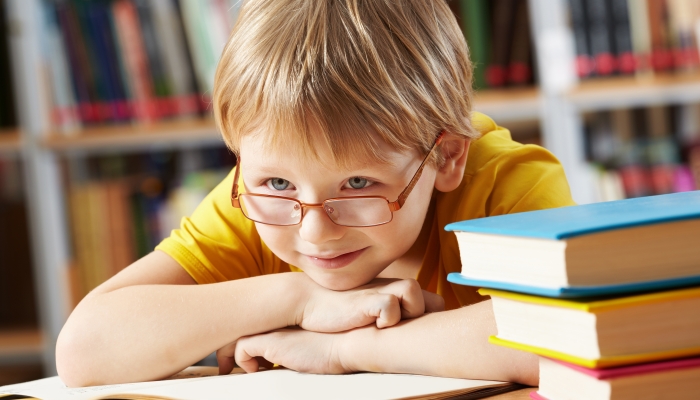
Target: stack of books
[[607, 294]]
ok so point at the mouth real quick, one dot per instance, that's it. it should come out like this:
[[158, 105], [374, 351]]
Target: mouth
[[336, 262]]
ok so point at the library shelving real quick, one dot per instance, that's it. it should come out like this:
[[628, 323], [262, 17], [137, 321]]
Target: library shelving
[[636, 91], [21, 346], [193, 132], [10, 141], [556, 104]]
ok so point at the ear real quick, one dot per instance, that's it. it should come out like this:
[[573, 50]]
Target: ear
[[455, 150]]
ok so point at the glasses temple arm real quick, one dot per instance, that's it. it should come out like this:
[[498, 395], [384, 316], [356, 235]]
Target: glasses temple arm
[[396, 205], [234, 189]]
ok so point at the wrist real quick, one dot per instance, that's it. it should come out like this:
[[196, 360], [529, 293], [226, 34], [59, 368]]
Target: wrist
[[300, 286], [358, 351]]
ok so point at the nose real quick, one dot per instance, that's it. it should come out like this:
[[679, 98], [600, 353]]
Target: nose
[[316, 227]]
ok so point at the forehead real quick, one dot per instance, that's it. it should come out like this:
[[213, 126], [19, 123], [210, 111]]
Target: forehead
[[258, 150]]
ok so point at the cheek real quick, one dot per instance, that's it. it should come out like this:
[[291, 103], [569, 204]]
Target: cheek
[[277, 238]]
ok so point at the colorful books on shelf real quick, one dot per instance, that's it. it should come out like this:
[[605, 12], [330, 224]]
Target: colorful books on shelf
[[498, 36], [131, 60], [628, 36], [631, 272], [672, 379]]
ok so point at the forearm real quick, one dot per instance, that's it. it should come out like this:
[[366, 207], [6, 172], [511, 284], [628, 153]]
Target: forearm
[[148, 332], [451, 343]]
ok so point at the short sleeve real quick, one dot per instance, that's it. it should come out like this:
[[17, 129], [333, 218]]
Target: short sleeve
[[217, 243], [527, 178]]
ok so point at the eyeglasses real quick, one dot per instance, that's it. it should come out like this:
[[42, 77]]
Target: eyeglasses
[[359, 211]]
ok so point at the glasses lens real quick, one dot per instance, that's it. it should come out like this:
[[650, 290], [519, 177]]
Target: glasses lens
[[271, 210], [358, 211]]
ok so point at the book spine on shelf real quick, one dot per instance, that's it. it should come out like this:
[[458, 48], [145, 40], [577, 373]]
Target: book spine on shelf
[[520, 61], [475, 24], [92, 54], [103, 63], [682, 17], [130, 44], [193, 13], [502, 12], [600, 37], [84, 94], [64, 111], [178, 67], [7, 105], [579, 25], [661, 152], [104, 28], [641, 38], [661, 52], [161, 85], [622, 36]]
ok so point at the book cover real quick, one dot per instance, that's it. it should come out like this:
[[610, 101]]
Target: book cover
[[637, 369], [606, 321], [605, 362], [572, 221]]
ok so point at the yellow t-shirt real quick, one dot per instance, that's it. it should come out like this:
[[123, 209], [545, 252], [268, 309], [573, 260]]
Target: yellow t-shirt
[[217, 243]]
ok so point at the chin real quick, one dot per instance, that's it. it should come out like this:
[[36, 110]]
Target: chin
[[338, 283]]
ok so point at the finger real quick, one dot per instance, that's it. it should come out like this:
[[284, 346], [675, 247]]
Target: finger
[[433, 302], [410, 296], [264, 364], [246, 353], [385, 308], [224, 357]]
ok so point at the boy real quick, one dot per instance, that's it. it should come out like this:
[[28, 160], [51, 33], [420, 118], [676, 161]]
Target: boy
[[353, 125]]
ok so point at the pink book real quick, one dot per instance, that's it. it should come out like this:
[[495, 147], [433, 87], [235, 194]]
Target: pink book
[[628, 370]]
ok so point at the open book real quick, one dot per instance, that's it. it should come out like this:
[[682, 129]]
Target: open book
[[204, 383]]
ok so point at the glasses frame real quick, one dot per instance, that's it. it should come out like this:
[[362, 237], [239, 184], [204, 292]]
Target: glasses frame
[[393, 205]]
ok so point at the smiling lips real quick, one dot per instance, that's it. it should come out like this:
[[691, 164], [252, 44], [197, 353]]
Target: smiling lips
[[336, 262]]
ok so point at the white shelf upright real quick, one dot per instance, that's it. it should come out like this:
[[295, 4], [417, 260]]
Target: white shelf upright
[[562, 128], [42, 178]]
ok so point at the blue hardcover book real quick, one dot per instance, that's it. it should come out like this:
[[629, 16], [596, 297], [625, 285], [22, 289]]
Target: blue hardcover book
[[606, 248]]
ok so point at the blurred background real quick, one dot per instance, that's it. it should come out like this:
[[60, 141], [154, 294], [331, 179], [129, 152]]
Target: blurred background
[[107, 138]]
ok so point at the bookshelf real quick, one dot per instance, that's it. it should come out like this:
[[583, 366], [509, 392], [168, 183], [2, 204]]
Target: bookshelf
[[10, 141], [193, 132], [22, 346], [633, 91], [556, 104], [514, 104]]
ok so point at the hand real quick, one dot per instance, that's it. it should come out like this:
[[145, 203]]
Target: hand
[[294, 348], [383, 302]]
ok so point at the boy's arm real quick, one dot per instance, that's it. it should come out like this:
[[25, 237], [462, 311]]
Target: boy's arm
[[451, 344], [151, 321]]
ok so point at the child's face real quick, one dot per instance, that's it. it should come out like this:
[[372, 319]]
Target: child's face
[[337, 257]]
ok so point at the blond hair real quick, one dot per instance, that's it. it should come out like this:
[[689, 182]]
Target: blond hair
[[344, 73]]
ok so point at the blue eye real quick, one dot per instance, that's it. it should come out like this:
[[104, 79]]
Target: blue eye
[[278, 184], [359, 182]]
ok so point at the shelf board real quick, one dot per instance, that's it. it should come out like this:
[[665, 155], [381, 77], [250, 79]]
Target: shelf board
[[10, 141], [509, 104], [501, 104], [21, 346], [135, 137], [636, 91]]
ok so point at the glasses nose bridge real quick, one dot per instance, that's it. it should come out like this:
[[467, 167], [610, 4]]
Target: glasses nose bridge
[[304, 206]]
